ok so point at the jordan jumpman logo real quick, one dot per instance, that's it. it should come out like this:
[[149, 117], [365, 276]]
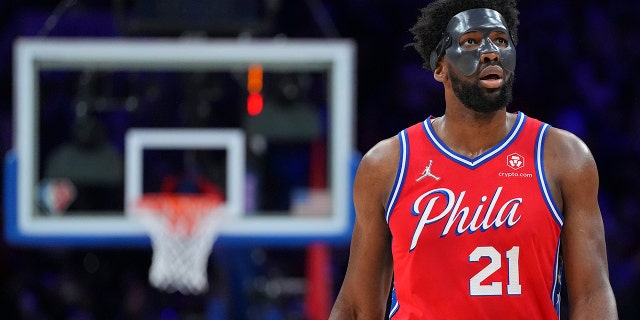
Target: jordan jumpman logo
[[427, 172]]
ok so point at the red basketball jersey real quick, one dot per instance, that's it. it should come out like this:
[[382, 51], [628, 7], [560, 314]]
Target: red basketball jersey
[[474, 238]]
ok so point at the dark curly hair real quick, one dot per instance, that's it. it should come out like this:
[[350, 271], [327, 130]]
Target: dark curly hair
[[433, 20]]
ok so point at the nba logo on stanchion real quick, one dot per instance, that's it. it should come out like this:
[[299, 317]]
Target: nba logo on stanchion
[[515, 161]]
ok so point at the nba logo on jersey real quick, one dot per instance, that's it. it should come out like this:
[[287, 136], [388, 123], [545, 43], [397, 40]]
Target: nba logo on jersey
[[515, 161]]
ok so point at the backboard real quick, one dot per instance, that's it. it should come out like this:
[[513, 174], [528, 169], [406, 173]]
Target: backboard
[[98, 123]]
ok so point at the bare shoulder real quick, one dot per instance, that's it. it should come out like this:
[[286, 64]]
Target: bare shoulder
[[383, 152], [571, 170], [567, 151], [378, 168]]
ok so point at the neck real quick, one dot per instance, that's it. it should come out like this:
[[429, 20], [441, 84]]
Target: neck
[[471, 133]]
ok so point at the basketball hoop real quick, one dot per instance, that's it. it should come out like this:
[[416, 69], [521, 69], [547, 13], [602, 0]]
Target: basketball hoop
[[182, 228]]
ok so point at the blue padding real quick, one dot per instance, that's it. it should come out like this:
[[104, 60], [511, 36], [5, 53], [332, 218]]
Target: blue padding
[[10, 195]]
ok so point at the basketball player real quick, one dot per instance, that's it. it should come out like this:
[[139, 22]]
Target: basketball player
[[479, 213]]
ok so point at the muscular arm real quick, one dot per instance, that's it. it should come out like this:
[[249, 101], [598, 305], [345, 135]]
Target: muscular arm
[[575, 178], [367, 282]]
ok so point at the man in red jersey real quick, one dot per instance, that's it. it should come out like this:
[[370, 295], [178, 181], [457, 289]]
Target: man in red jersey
[[479, 213]]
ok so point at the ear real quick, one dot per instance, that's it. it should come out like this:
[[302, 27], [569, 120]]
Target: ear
[[440, 73]]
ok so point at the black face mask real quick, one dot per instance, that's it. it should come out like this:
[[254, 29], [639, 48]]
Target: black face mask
[[481, 20]]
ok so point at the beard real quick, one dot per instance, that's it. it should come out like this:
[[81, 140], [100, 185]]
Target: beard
[[479, 99]]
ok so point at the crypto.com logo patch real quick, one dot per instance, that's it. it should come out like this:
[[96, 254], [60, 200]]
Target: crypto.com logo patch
[[515, 161]]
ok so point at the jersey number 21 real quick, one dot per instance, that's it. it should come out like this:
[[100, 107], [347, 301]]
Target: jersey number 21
[[495, 257]]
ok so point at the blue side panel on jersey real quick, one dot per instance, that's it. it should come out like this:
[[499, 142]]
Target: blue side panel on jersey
[[14, 236], [557, 281], [395, 305]]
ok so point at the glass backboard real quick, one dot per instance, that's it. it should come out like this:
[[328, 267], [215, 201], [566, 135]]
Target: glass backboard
[[98, 123]]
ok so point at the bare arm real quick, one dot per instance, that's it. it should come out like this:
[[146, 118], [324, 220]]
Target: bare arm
[[575, 178], [367, 282]]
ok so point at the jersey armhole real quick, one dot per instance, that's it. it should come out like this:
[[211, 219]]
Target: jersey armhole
[[400, 174], [542, 177]]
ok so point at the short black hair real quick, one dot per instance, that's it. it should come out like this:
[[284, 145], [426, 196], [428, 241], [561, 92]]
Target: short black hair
[[433, 20]]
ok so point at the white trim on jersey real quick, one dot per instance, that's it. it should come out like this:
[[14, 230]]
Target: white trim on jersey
[[468, 162]]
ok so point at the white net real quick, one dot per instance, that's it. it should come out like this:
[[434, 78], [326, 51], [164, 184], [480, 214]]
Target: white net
[[182, 230]]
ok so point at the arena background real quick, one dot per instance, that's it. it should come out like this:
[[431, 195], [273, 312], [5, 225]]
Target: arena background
[[577, 69]]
